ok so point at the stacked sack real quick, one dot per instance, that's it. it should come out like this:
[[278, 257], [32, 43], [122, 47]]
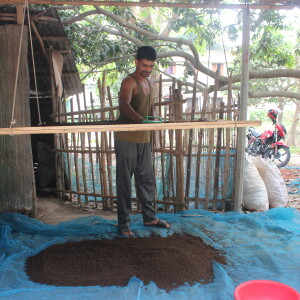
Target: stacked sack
[[264, 186]]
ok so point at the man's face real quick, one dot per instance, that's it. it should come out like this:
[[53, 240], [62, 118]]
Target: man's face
[[144, 67]]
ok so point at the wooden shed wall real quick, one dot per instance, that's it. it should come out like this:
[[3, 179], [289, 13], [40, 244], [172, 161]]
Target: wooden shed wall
[[17, 191]]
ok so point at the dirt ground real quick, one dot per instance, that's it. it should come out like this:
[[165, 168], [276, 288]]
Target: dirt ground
[[52, 211], [290, 174]]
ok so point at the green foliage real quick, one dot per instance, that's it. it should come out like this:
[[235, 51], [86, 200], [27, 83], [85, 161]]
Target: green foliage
[[295, 150], [259, 115], [273, 50], [297, 47], [270, 18], [98, 50]]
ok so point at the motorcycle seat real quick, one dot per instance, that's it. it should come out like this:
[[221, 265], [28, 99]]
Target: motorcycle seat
[[255, 132]]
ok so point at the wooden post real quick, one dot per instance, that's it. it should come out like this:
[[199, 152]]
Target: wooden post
[[241, 132], [179, 146], [102, 89], [20, 14], [226, 204], [217, 163], [55, 107], [74, 142], [17, 185], [191, 138], [199, 150]]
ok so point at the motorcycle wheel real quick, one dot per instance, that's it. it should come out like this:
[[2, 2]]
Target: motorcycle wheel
[[281, 158]]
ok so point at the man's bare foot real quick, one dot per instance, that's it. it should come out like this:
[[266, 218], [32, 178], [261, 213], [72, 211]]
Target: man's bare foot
[[126, 232], [158, 223]]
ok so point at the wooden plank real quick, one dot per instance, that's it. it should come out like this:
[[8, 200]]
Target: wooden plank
[[270, 5], [126, 127], [17, 185]]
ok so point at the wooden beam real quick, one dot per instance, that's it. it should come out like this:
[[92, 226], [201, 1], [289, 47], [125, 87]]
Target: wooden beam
[[37, 34], [8, 19], [126, 127], [85, 112], [54, 38], [270, 5], [20, 14]]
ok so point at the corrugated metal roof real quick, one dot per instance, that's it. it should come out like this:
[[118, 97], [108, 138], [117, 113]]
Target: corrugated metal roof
[[52, 33]]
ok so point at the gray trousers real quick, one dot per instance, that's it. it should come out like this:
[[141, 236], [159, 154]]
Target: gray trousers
[[134, 158]]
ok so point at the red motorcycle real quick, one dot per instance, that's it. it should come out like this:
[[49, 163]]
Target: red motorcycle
[[268, 144]]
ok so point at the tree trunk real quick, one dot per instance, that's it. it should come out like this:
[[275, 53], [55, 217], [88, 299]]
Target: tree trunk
[[17, 186], [281, 107], [291, 140]]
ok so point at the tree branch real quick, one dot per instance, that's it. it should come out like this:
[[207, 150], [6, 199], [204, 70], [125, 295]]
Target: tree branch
[[116, 32], [192, 58], [80, 17], [186, 83], [278, 94], [150, 35]]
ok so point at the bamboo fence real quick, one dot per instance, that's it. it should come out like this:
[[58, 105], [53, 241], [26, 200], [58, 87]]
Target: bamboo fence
[[194, 164]]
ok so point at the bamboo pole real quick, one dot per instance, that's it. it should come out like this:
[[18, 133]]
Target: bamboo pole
[[218, 141], [171, 143], [217, 161], [82, 146], [98, 150], [179, 146], [74, 140], [210, 146], [66, 150], [199, 151], [94, 118], [108, 148], [191, 137], [101, 87], [89, 111], [126, 127], [90, 153], [227, 148], [161, 140]]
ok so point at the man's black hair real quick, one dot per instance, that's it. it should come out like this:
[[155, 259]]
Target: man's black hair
[[146, 52]]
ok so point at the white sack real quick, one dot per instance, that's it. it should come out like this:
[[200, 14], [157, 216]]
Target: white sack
[[255, 196], [277, 190]]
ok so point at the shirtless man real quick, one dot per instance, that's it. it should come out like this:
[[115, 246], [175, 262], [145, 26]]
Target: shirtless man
[[132, 148]]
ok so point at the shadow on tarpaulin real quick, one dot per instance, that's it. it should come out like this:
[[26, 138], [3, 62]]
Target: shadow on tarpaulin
[[263, 245]]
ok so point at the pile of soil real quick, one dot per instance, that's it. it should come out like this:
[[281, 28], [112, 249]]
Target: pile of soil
[[168, 261]]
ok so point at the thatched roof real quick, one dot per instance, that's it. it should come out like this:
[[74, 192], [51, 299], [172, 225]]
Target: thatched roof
[[50, 32]]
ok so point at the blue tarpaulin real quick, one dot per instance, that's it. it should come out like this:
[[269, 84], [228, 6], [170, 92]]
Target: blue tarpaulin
[[263, 245]]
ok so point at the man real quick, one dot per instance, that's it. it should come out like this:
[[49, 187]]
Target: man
[[133, 150]]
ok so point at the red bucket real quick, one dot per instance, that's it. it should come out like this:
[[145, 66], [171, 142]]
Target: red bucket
[[265, 290]]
